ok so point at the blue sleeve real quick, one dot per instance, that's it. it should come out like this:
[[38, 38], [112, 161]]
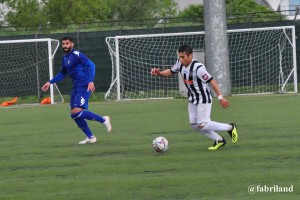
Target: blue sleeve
[[60, 76], [91, 66]]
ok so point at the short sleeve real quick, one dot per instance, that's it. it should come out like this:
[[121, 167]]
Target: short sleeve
[[176, 67], [203, 74]]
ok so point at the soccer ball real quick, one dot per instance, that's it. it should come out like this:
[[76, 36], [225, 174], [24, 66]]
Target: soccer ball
[[160, 144]]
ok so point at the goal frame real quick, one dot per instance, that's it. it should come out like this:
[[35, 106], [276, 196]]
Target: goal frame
[[116, 52], [50, 58], [292, 43]]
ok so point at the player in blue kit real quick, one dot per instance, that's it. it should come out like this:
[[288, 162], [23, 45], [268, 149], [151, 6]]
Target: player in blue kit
[[82, 72]]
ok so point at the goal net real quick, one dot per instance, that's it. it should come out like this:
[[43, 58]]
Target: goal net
[[261, 60], [25, 65]]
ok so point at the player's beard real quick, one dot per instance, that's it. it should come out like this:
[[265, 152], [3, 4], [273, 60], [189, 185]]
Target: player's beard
[[67, 50]]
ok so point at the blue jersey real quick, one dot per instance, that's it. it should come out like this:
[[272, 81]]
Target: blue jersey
[[79, 67]]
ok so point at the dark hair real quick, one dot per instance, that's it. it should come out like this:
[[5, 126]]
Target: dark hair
[[67, 38], [185, 49]]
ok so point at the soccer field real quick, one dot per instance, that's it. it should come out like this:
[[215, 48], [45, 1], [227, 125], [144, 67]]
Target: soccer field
[[41, 159]]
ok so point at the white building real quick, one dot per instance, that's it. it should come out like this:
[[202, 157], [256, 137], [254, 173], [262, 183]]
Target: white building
[[275, 5], [283, 5], [182, 4]]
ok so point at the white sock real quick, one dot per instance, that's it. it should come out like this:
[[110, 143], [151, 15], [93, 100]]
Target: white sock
[[216, 126], [210, 134]]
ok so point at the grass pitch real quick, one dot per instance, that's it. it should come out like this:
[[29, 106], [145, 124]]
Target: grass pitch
[[40, 158]]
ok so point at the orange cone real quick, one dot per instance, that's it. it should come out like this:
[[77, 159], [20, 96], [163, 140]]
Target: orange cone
[[9, 103], [46, 101], [4, 104]]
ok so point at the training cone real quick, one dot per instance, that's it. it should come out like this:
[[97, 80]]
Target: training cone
[[9, 103], [46, 101], [4, 104]]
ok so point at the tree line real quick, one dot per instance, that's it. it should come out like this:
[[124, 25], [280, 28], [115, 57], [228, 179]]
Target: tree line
[[46, 12]]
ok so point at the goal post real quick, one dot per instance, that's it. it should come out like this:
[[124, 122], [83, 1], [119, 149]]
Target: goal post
[[265, 60], [261, 60], [25, 65]]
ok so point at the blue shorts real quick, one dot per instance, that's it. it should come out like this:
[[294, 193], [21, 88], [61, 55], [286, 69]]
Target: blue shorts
[[80, 98]]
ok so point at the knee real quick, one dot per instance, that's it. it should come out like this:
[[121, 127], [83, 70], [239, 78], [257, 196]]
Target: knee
[[75, 115], [200, 126], [81, 123], [75, 110]]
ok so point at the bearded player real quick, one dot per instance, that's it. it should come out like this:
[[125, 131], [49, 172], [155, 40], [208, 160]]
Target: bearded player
[[82, 72]]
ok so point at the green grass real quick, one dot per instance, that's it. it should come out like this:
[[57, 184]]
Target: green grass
[[40, 158]]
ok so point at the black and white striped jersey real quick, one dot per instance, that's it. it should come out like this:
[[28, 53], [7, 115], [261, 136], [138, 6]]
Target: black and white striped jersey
[[196, 79]]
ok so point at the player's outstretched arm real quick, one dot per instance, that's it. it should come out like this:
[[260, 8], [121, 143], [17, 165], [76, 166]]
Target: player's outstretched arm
[[157, 72]]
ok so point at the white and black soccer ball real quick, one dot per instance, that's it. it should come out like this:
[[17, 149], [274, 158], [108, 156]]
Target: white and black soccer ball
[[160, 144]]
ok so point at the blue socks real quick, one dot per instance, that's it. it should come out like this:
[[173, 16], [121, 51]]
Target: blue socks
[[92, 116], [81, 123], [80, 117]]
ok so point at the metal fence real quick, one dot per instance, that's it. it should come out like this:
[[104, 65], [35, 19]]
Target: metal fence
[[90, 38], [119, 25]]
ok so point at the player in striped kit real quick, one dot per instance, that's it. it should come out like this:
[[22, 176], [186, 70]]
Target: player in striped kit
[[82, 72], [197, 80]]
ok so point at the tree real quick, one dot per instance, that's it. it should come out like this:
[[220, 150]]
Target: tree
[[142, 9], [244, 6], [79, 11], [25, 13], [42, 12], [249, 10], [194, 12], [240, 10]]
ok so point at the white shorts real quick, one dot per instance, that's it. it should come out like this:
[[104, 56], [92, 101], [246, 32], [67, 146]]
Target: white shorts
[[199, 113]]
